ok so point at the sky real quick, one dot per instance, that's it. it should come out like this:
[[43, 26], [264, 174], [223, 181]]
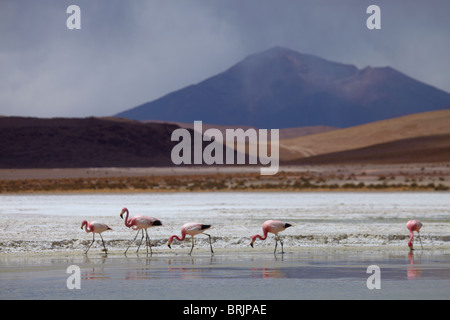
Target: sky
[[131, 52]]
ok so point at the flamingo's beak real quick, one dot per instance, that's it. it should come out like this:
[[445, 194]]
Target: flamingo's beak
[[251, 243], [168, 244], [121, 214]]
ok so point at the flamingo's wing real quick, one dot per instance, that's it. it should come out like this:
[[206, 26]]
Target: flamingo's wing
[[193, 228]]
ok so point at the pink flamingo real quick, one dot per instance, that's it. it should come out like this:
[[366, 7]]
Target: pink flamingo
[[140, 223], [192, 229], [414, 225], [95, 227], [272, 226]]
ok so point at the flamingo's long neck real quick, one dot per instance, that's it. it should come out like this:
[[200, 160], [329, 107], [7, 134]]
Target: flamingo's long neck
[[127, 222], [87, 227], [411, 239], [258, 236], [183, 236]]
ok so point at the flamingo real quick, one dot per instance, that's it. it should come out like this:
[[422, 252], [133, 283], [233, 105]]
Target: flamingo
[[140, 223], [272, 226], [95, 227], [414, 225], [192, 229]]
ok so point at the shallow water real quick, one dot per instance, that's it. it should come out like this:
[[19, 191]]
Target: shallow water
[[297, 274], [51, 222]]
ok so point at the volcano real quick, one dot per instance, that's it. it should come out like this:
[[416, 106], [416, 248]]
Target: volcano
[[282, 88]]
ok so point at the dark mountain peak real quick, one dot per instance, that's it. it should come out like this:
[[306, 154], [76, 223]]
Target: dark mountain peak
[[287, 61], [270, 54], [277, 50], [280, 53], [385, 72], [282, 88]]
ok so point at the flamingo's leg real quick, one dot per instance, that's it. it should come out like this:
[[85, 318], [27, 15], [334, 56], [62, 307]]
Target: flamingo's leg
[[132, 241], [93, 239], [104, 247], [210, 245], [140, 241], [282, 250], [418, 235], [277, 238], [147, 241], [192, 245]]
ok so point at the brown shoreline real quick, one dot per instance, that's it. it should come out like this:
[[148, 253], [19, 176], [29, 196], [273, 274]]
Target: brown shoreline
[[408, 177]]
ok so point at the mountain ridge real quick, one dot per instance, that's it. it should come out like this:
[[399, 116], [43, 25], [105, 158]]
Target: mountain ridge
[[83, 142], [110, 142], [422, 149], [281, 88], [411, 126]]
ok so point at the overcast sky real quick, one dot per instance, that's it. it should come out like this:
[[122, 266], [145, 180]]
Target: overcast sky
[[131, 52]]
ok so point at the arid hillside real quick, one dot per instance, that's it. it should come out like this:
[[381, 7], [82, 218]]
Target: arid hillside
[[425, 149], [398, 131], [83, 143]]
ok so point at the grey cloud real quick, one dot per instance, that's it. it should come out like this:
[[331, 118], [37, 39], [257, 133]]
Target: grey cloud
[[131, 52]]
